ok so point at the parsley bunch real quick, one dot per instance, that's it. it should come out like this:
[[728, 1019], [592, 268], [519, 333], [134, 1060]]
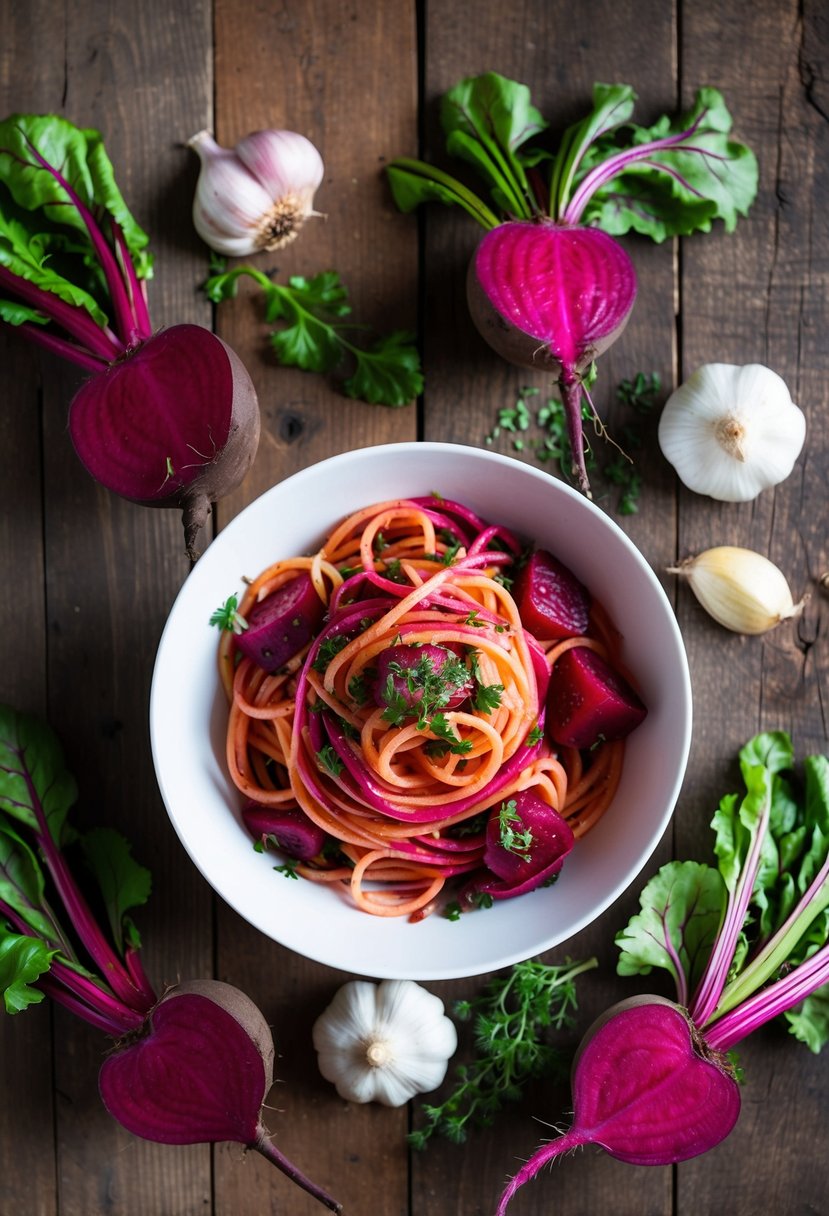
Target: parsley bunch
[[509, 1018], [386, 371]]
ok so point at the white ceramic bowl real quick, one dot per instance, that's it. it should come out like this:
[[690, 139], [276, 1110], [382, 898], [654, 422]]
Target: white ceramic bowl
[[188, 715]]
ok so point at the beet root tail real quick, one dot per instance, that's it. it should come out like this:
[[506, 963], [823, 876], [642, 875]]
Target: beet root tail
[[264, 1145], [538, 1160], [571, 391]]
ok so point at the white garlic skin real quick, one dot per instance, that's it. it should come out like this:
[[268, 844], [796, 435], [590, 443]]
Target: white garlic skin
[[384, 1042], [731, 432], [254, 197], [742, 590]]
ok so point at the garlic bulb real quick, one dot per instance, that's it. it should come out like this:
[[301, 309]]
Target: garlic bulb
[[257, 195], [731, 432], [384, 1042], [739, 588]]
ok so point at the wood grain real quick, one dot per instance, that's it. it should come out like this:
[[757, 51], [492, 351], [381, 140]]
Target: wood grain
[[89, 579]]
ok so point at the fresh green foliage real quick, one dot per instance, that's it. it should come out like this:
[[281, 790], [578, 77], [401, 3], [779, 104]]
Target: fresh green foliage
[[123, 883], [671, 179], [542, 430], [36, 794], [329, 648], [514, 837], [511, 1020], [43, 238], [329, 761], [227, 617], [728, 932], [315, 312]]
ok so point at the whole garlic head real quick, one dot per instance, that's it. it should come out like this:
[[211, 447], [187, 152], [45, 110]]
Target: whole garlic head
[[731, 432], [384, 1042]]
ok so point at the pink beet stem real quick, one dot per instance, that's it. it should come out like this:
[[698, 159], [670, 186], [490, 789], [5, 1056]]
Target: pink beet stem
[[76, 321], [264, 1145], [571, 1139], [64, 350]]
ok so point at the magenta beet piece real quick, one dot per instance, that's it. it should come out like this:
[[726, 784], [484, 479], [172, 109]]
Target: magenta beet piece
[[282, 623], [197, 1073], [552, 602], [525, 846], [589, 701], [435, 674], [552, 297], [293, 831], [174, 422], [646, 1089]]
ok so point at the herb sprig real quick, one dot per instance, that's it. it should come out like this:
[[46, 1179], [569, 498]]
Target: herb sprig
[[316, 315], [509, 1020]]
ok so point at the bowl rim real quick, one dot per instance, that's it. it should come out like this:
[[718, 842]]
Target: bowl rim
[[324, 952]]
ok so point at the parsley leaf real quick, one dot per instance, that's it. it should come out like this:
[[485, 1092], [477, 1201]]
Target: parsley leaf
[[510, 1021], [328, 760], [313, 337], [514, 837], [227, 618]]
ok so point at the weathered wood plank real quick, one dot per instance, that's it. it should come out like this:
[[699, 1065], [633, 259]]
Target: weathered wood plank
[[756, 296], [343, 74], [112, 570], [559, 51]]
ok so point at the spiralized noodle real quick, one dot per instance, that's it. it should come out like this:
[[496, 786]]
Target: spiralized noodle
[[403, 799]]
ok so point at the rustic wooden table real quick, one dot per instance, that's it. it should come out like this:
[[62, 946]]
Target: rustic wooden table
[[88, 579]]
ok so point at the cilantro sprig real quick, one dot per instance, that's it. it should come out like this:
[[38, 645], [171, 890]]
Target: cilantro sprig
[[514, 837], [228, 618], [510, 1019], [315, 312]]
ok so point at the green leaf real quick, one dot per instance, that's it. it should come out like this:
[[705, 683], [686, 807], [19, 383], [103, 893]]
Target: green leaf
[[772, 749], [680, 190], [124, 884], [682, 909], [490, 106], [809, 1021], [22, 961], [388, 373], [612, 106], [33, 779], [81, 159], [486, 119], [22, 884]]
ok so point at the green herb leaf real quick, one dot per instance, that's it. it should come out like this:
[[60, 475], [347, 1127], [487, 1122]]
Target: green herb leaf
[[22, 961], [511, 1020], [227, 617], [124, 884], [329, 761], [514, 837], [313, 337]]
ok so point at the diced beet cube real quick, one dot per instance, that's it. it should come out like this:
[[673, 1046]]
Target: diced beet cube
[[589, 701], [526, 842], [282, 623], [407, 673], [293, 831], [552, 602]]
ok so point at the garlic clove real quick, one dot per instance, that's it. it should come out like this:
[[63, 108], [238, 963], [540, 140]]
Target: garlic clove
[[283, 162], [731, 432], [742, 590]]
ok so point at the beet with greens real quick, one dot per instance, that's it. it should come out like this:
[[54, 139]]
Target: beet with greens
[[192, 1067], [549, 287], [744, 942], [167, 418]]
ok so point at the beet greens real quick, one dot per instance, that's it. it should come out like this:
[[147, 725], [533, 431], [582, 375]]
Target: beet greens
[[165, 419], [743, 941], [192, 1067], [549, 287]]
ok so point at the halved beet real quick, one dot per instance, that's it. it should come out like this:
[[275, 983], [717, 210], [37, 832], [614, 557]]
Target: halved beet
[[589, 701], [527, 841], [282, 623], [552, 602], [415, 671], [293, 831]]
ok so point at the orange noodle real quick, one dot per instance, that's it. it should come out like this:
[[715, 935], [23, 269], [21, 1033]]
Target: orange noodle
[[412, 717]]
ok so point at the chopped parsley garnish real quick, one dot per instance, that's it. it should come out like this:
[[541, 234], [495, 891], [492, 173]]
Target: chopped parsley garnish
[[328, 759], [288, 869], [535, 735], [227, 618], [514, 837], [329, 648]]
